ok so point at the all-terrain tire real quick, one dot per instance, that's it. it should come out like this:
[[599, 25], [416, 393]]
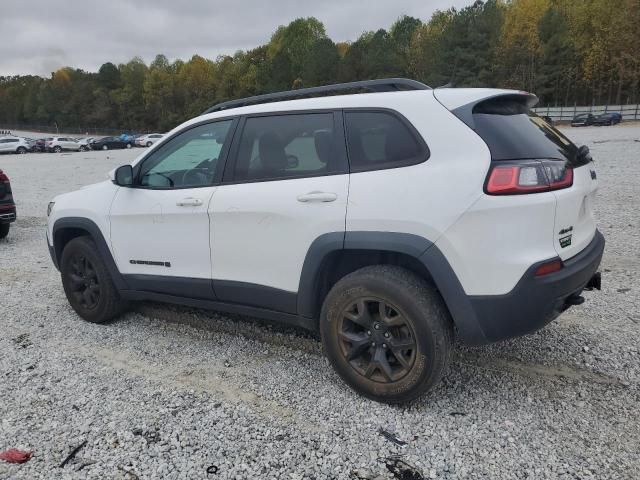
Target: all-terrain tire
[[100, 304], [415, 302]]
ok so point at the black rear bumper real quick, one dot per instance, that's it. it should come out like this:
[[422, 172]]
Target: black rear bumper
[[535, 301], [7, 213]]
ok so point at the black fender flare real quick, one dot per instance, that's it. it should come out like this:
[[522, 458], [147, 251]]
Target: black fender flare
[[80, 223], [421, 249]]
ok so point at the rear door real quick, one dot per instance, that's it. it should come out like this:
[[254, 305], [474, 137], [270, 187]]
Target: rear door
[[285, 185]]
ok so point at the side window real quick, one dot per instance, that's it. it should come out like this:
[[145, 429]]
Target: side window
[[379, 140], [283, 146], [188, 160]]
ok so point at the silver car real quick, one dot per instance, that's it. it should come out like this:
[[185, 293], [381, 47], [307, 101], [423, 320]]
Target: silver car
[[58, 144]]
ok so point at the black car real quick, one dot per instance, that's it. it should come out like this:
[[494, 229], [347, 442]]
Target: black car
[[610, 118], [7, 205], [109, 143], [40, 145], [583, 120]]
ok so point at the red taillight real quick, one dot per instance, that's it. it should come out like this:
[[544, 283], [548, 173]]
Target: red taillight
[[549, 267], [528, 176], [3, 177]]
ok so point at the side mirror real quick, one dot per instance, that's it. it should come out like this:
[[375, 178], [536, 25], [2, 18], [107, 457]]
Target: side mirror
[[583, 153], [123, 176]]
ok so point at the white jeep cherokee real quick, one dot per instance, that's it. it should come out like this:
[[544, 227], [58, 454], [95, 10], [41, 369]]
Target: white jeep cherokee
[[386, 220]]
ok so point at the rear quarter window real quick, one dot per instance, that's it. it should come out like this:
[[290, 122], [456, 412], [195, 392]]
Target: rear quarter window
[[379, 140]]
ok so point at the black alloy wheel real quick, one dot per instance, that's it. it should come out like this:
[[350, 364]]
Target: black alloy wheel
[[84, 282], [376, 340]]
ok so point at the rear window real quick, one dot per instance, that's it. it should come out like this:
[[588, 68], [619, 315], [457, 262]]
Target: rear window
[[512, 132]]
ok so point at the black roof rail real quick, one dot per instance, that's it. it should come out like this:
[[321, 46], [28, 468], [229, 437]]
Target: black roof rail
[[381, 85]]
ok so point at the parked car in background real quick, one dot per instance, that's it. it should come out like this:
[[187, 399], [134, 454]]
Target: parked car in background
[[59, 144], [610, 118], [14, 145], [548, 119], [583, 120], [40, 145], [109, 143], [84, 143], [7, 205], [148, 140]]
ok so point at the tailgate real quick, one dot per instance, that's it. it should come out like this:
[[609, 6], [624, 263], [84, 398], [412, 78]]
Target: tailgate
[[575, 225]]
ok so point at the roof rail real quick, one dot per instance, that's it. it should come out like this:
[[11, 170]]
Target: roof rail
[[381, 85]]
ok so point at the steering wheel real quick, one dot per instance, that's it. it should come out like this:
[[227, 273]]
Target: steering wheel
[[199, 178]]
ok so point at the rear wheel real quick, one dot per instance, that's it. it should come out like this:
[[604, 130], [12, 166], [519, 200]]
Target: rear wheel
[[4, 229], [105, 147], [149, 144], [21, 150], [87, 283], [128, 145], [57, 149], [387, 333]]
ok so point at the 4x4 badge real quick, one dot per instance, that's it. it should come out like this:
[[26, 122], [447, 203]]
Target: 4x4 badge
[[565, 241]]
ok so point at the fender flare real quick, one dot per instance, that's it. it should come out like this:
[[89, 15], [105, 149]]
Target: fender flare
[[421, 249], [94, 232]]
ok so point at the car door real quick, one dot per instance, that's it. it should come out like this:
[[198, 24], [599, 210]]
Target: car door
[[4, 145], [285, 185], [160, 227]]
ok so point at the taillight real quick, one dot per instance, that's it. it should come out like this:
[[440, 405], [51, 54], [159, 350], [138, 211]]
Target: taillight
[[3, 177], [528, 176]]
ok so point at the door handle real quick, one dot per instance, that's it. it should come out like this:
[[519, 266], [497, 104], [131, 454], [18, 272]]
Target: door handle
[[189, 202], [317, 197]]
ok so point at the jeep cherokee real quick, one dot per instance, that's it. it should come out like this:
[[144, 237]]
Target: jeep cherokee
[[384, 214]]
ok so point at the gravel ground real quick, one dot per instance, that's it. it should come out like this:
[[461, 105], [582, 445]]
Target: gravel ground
[[167, 392]]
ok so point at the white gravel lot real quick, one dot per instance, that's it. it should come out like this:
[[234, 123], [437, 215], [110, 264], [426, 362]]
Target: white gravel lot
[[167, 392]]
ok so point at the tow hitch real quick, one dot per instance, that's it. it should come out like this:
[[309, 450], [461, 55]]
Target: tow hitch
[[594, 282]]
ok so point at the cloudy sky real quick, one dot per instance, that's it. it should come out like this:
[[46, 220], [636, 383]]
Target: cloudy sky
[[39, 36]]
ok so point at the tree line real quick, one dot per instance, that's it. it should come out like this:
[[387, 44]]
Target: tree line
[[565, 51]]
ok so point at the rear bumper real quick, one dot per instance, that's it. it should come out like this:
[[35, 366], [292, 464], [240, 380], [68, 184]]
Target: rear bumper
[[534, 301], [7, 213]]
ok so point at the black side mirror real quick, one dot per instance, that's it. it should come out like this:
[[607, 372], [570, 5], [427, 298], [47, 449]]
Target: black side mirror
[[124, 176], [583, 153]]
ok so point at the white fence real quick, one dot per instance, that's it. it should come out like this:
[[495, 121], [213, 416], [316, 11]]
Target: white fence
[[629, 112]]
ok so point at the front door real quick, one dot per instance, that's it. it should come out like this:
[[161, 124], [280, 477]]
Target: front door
[[285, 184], [160, 227]]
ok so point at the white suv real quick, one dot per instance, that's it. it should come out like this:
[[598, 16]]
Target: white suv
[[148, 140], [387, 220], [14, 145], [59, 144]]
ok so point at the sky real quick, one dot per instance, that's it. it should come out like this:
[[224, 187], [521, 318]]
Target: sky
[[40, 36]]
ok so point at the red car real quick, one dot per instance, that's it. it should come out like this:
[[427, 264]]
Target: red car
[[7, 205]]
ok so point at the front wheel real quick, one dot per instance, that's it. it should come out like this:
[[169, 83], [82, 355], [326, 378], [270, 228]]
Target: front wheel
[[4, 229], [387, 333], [57, 149], [149, 144], [21, 151], [87, 283], [105, 147], [128, 145]]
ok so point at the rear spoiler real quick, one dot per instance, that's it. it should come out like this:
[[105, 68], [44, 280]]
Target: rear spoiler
[[462, 102]]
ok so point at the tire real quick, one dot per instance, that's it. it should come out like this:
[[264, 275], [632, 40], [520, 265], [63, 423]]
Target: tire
[[21, 151], [408, 300], [4, 230], [105, 147], [128, 145], [82, 270], [149, 144], [57, 149]]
